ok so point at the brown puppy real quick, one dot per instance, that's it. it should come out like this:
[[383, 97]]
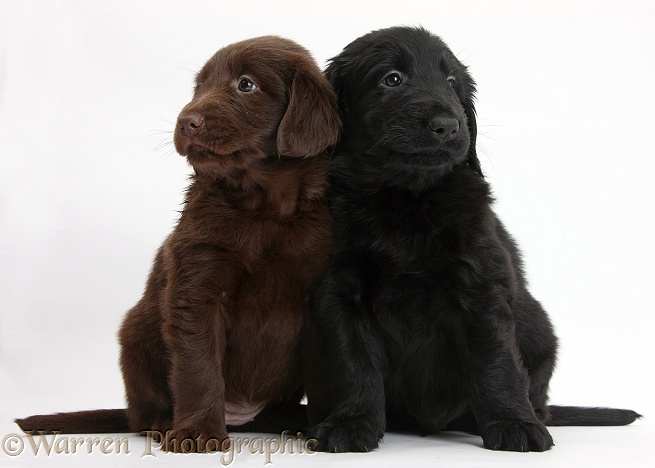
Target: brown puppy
[[216, 336]]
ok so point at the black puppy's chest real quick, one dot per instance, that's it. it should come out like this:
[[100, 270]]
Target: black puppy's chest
[[409, 217], [421, 233], [416, 250], [420, 324], [423, 250]]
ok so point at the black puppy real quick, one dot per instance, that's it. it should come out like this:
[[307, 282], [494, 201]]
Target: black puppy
[[424, 314]]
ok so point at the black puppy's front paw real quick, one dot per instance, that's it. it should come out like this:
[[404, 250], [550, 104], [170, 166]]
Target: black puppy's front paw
[[351, 434], [516, 436]]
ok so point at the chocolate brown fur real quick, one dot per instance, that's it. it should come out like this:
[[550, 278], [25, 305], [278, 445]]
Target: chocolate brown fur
[[216, 335]]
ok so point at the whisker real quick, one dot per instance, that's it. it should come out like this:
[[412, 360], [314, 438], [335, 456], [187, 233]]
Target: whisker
[[166, 121], [183, 66], [177, 106], [487, 136], [166, 143], [486, 153], [161, 132], [386, 139]]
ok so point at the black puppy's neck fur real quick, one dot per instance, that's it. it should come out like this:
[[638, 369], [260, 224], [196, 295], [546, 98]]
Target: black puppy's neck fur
[[361, 173]]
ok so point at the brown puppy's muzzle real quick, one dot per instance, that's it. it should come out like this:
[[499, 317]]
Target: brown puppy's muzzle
[[190, 124], [189, 127]]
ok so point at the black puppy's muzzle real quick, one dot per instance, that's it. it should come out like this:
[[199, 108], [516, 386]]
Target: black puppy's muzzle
[[444, 128]]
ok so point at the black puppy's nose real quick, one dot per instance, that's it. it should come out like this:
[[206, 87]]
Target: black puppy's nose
[[190, 123], [444, 128]]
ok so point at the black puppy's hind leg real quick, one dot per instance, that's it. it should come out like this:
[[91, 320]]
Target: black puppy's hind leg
[[538, 345], [499, 382]]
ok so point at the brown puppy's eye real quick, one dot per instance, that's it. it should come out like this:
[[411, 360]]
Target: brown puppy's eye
[[392, 80], [246, 85]]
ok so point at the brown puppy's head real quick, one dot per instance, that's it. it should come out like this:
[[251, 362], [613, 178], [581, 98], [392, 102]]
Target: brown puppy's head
[[256, 101], [407, 105]]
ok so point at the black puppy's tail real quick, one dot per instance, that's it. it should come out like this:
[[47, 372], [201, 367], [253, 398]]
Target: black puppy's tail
[[583, 416], [79, 422], [561, 416]]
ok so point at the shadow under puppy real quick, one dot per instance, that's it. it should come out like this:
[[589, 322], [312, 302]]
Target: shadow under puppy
[[217, 334], [425, 317]]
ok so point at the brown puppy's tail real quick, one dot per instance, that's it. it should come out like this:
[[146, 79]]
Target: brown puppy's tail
[[78, 422], [274, 419], [583, 416]]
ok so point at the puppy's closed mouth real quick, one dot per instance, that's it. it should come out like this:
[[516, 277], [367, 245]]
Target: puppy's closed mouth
[[191, 146], [196, 149], [427, 161], [197, 153]]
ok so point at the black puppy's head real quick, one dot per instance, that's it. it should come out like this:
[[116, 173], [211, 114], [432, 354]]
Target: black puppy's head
[[407, 103]]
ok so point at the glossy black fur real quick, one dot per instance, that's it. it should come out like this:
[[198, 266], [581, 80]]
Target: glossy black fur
[[425, 316]]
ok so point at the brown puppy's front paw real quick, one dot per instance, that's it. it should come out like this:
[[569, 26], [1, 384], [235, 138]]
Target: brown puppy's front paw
[[160, 427], [195, 441], [517, 436]]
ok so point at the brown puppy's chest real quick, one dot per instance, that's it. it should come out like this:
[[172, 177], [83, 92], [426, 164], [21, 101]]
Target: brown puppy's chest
[[255, 269], [264, 319]]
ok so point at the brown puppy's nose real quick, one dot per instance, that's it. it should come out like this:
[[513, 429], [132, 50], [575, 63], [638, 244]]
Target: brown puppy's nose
[[189, 124], [444, 128]]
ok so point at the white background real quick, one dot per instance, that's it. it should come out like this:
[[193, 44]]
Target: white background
[[90, 186]]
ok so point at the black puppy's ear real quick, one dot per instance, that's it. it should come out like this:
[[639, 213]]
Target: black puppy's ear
[[333, 75], [469, 109], [337, 76], [311, 123]]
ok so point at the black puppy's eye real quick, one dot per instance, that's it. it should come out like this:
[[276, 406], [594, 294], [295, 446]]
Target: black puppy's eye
[[246, 85], [451, 81], [392, 80]]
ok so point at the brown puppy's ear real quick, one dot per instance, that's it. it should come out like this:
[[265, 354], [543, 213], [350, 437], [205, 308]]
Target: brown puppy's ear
[[311, 122]]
